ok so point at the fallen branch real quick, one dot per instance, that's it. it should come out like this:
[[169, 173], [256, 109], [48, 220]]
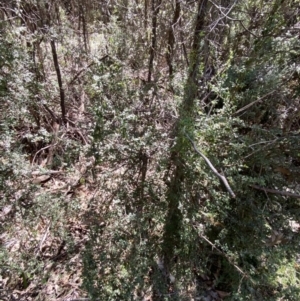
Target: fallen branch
[[274, 191], [221, 177]]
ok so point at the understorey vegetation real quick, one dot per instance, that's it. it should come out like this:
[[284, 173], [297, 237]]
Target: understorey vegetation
[[149, 150]]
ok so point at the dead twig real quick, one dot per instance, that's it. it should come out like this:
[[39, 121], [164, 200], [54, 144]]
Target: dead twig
[[48, 146], [39, 250], [225, 255], [221, 177], [46, 172], [253, 102], [81, 299], [82, 137], [53, 116], [85, 68], [249, 105], [79, 73], [274, 191]]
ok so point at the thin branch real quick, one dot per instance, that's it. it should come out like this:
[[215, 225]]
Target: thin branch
[[46, 172], [51, 113], [79, 72], [39, 250], [225, 15], [85, 68], [82, 137], [261, 98], [81, 299], [231, 19], [221, 177], [225, 255], [248, 29], [42, 149], [249, 105], [155, 11], [274, 191]]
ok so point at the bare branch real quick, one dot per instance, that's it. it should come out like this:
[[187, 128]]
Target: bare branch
[[225, 15], [79, 72], [222, 253], [274, 191], [53, 116], [42, 149], [221, 177], [46, 172], [82, 299], [249, 105], [86, 68]]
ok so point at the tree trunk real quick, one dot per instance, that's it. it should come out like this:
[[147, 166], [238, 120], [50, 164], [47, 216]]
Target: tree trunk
[[155, 11], [173, 223], [58, 73], [171, 38]]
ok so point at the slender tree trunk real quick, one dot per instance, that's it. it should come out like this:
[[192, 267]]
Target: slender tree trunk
[[58, 73], [171, 38], [191, 87], [155, 11], [33, 106], [173, 223], [84, 30], [146, 14]]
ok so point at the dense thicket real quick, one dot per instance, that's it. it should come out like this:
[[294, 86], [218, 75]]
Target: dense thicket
[[150, 150]]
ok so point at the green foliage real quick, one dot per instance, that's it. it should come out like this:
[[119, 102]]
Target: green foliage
[[247, 148], [155, 220]]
